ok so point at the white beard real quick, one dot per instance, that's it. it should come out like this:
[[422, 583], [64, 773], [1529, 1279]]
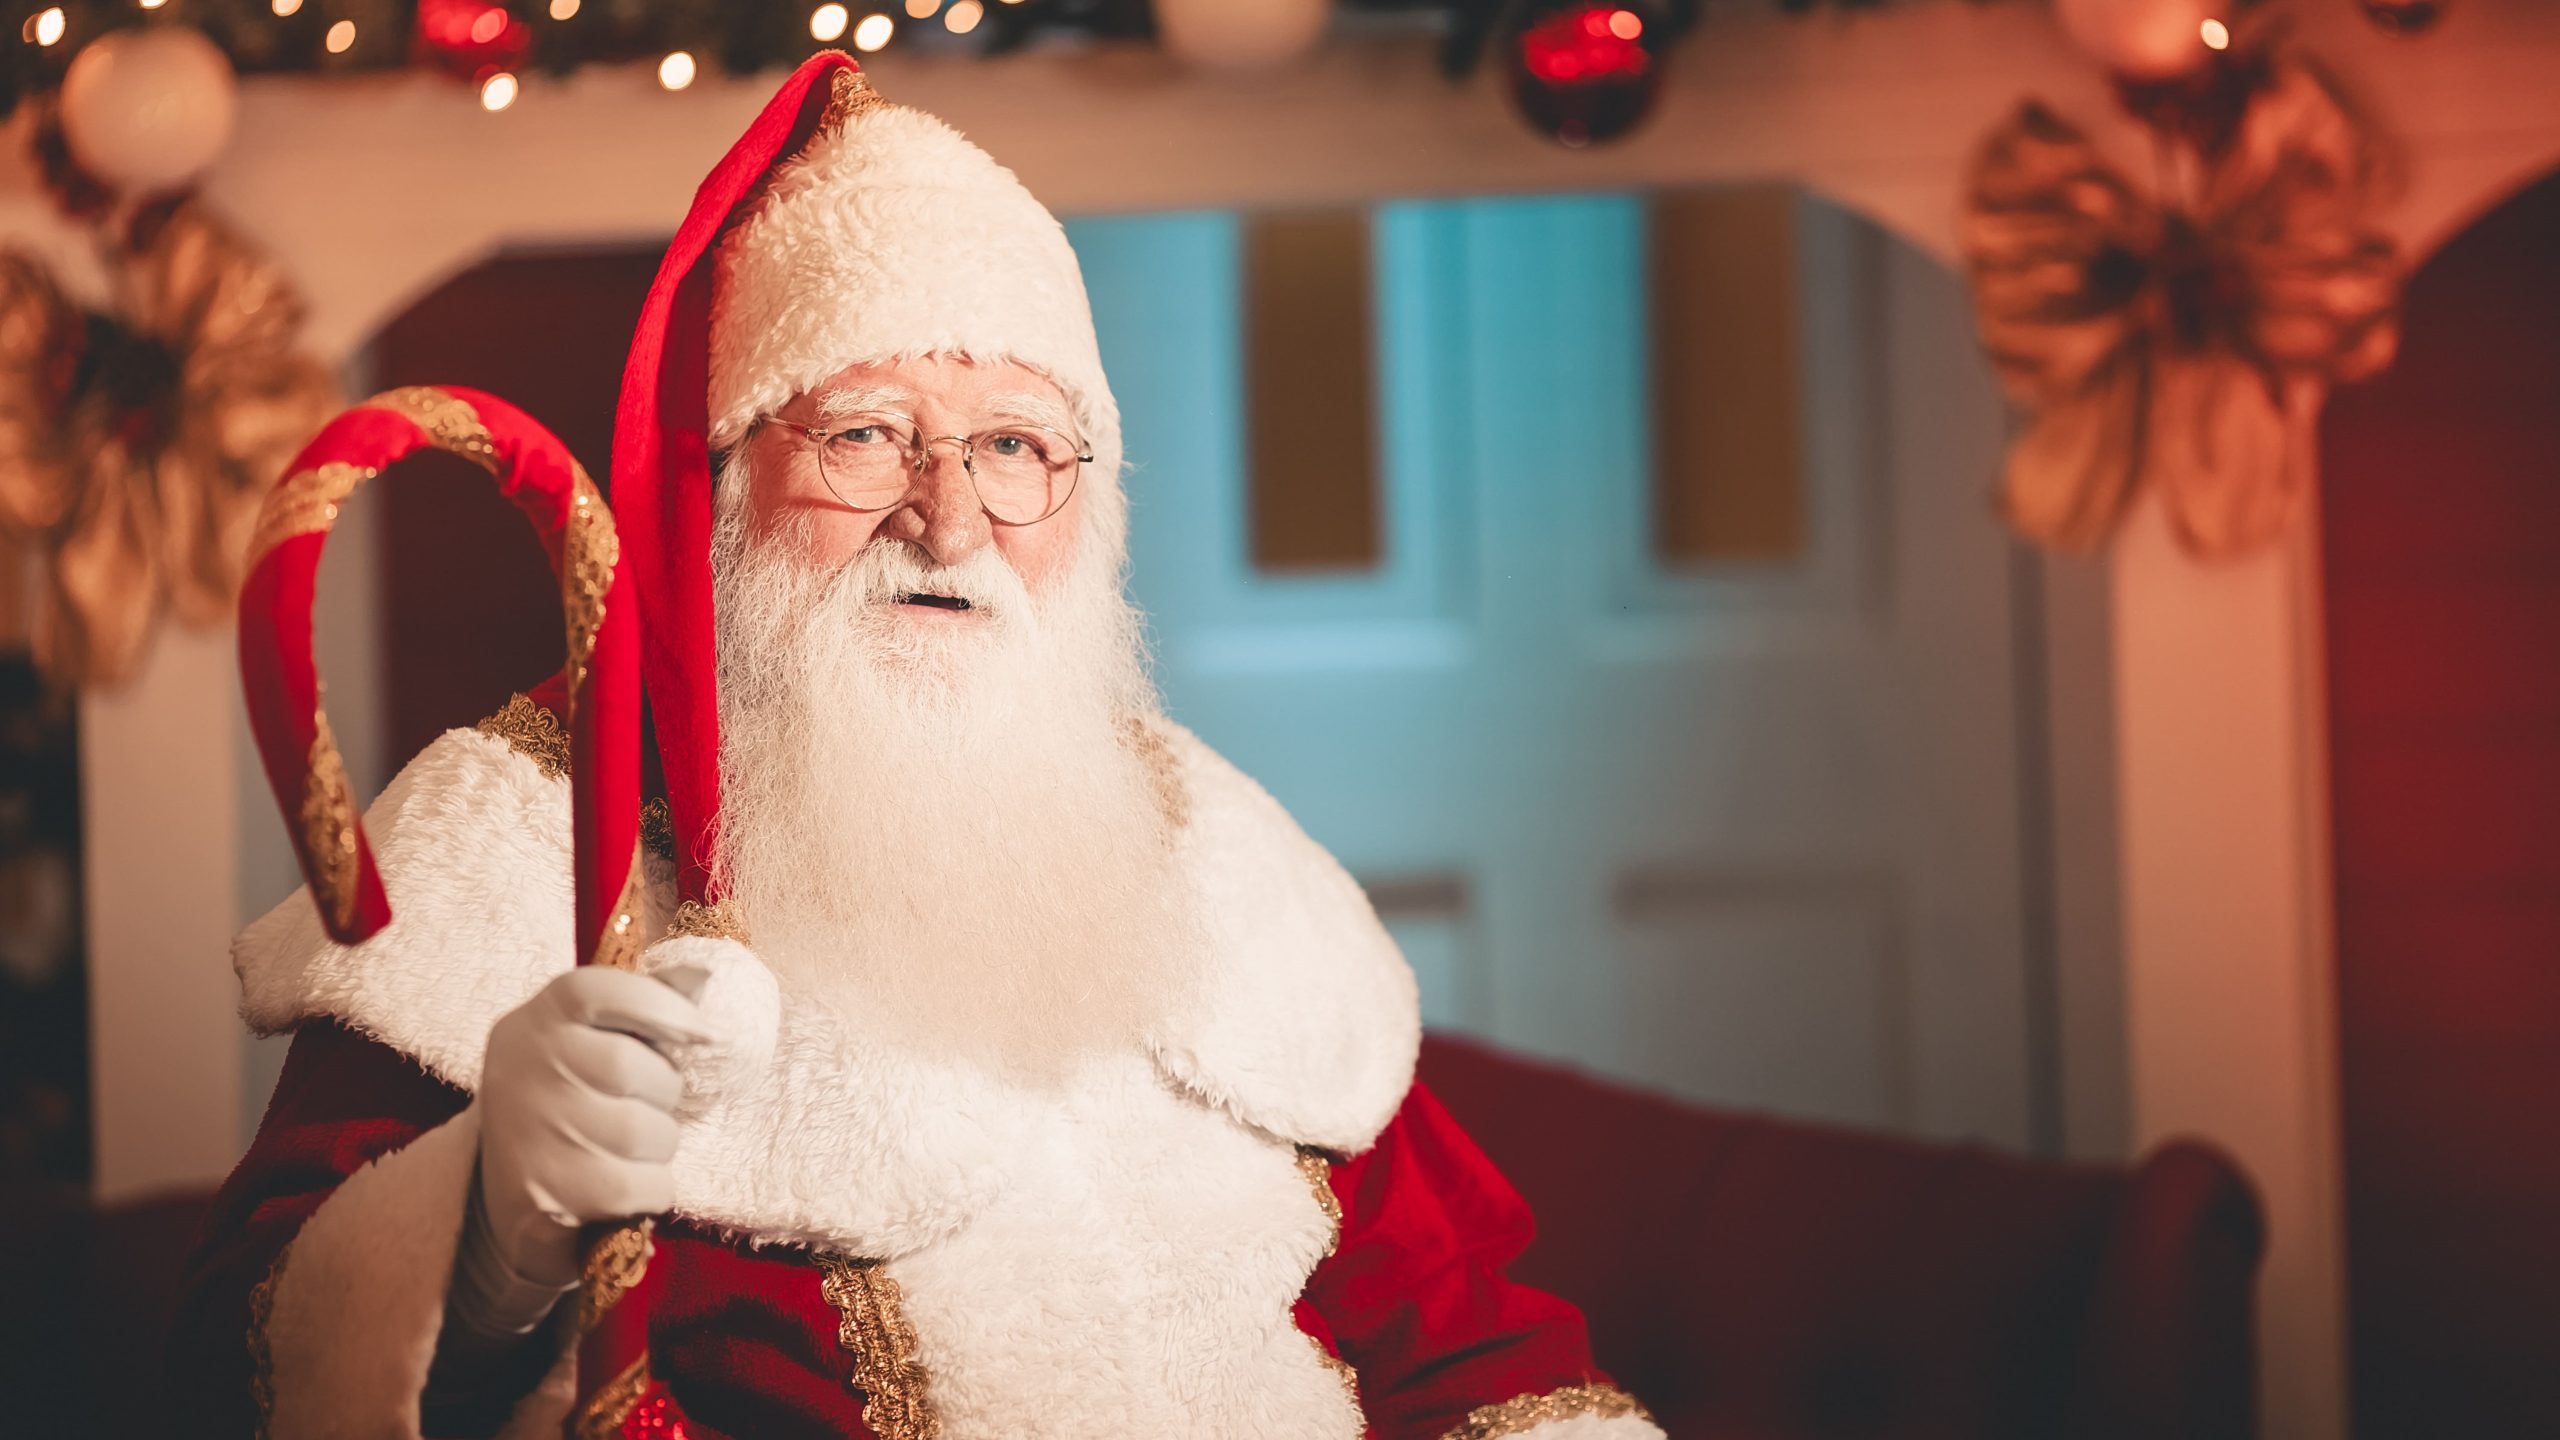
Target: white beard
[[943, 830]]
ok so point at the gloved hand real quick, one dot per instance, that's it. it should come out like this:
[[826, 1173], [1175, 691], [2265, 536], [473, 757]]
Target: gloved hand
[[578, 1094]]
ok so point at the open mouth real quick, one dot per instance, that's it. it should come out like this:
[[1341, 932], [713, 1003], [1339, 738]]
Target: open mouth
[[933, 601]]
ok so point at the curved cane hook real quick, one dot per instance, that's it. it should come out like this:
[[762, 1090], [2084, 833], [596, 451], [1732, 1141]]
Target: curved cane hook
[[532, 468]]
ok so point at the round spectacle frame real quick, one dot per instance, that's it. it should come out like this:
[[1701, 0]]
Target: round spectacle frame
[[1022, 473]]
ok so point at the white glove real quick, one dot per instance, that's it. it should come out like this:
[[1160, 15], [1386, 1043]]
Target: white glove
[[578, 1094], [578, 1098]]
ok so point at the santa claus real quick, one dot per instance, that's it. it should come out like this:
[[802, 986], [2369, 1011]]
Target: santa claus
[[1034, 1075]]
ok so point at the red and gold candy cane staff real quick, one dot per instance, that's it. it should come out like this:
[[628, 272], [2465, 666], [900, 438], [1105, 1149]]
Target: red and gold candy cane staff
[[602, 677]]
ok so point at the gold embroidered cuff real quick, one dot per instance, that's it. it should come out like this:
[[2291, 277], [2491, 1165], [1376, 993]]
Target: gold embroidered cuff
[[1526, 1412]]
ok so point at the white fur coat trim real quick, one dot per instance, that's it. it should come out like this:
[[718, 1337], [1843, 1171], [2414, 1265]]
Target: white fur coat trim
[[897, 237], [358, 1300], [1307, 1031]]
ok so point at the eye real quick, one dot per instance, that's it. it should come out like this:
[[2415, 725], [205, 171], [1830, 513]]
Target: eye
[[1020, 445], [861, 435]]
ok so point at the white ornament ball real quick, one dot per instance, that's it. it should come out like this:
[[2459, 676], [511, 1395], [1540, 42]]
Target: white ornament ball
[[148, 109], [1240, 34], [2142, 39]]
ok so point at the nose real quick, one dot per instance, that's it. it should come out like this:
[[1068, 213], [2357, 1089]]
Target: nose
[[941, 512]]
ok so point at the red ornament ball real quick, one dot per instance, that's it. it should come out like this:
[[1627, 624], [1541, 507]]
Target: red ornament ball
[[1584, 73], [471, 39]]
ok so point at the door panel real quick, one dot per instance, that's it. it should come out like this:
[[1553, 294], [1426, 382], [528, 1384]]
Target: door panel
[[1745, 832]]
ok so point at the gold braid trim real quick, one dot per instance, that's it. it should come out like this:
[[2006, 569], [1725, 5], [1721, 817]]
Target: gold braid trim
[[307, 501], [618, 948], [1341, 1369], [613, 1404], [531, 732], [720, 921], [1526, 1412], [658, 828], [895, 1402], [849, 93], [446, 419], [329, 824], [1319, 1173], [590, 547], [262, 1360], [615, 1262]]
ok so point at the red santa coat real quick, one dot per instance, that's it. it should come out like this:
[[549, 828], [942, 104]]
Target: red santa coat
[[1260, 1227]]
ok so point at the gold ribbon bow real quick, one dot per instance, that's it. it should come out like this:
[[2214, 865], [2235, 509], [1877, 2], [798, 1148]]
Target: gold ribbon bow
[[2186, 347], [135, 444]]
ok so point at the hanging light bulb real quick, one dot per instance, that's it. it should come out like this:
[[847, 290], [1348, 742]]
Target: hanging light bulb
[[873, 32], [498, 92], [827, 22], [676, 71]]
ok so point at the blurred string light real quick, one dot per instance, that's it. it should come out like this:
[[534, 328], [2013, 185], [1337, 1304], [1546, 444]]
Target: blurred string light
[[341, 37], [285, 7], [153, 4], [873, 32], [827, 22], [564, 9], [2216, 35], [922, 9], [676, 71], [498, 92], [962, 18], [488, 25], [45, 27]]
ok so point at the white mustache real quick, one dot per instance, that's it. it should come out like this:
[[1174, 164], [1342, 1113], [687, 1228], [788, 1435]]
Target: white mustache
[[888, 571]]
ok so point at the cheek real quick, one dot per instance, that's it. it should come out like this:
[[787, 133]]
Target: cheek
[[830, 533], [1041, 553]]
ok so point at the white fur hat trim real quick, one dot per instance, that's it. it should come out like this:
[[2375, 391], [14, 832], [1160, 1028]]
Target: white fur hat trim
[[894, 237]]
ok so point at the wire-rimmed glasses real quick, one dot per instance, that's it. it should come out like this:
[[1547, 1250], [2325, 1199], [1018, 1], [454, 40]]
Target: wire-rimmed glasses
[[1023, 473]]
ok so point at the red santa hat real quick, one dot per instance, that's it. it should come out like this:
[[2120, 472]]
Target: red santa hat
[[840, 229]]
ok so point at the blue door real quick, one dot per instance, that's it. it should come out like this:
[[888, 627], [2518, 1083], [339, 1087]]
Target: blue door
[[1745, 832]]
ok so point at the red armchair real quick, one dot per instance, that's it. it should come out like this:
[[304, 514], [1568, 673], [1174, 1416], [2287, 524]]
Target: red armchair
[[1754, 1279]]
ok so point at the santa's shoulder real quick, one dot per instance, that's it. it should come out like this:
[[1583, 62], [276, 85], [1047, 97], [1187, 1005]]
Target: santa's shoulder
[[1310, 1024]]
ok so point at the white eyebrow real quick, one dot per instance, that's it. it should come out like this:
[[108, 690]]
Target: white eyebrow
[[1026, 408], [861, 399]]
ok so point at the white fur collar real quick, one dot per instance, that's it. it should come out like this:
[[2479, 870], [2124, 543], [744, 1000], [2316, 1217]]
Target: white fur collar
[[1307, 1032]]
